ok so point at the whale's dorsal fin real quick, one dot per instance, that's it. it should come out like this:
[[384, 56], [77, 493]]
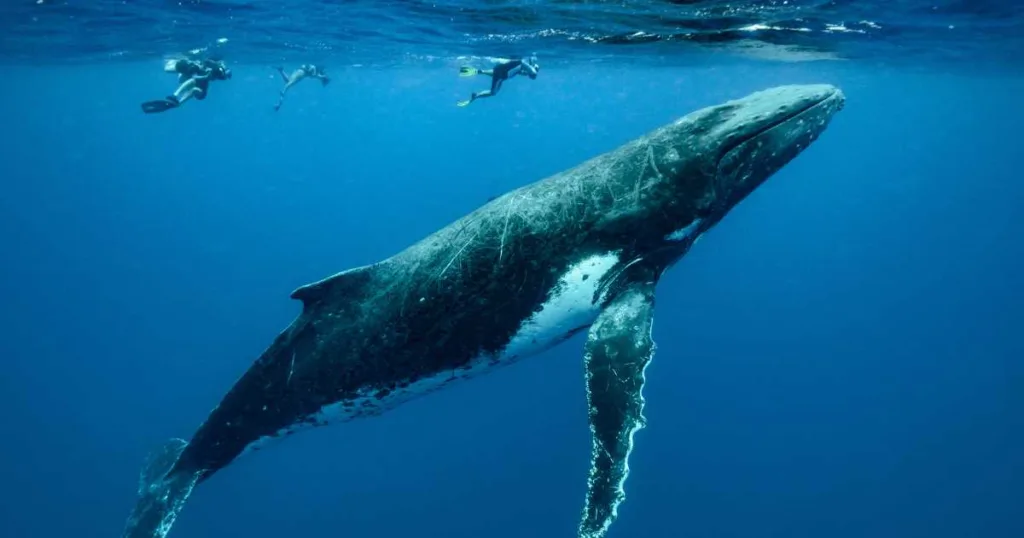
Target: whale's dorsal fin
[[345, 283]]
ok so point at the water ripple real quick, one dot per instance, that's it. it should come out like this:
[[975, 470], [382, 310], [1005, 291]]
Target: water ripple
[[392, 31]]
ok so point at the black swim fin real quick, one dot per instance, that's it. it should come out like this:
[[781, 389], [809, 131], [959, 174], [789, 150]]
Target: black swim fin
[[161, 105]]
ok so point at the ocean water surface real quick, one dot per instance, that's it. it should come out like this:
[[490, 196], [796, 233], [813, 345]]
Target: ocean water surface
[[841, 356]]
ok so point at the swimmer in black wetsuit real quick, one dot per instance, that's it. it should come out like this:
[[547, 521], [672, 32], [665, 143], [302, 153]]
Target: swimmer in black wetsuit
[[194, 78], [302, 72], [501, 72]]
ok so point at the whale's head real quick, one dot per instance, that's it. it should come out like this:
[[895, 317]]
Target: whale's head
[[716, 156]]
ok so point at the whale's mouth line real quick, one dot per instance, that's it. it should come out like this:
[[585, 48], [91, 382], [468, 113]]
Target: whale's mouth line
[[782, 120]]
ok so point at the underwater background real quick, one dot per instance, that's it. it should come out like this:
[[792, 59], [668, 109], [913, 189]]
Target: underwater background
[[841, 356]]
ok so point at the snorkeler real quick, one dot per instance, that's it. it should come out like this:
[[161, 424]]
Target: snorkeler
[[194, 78], [500, 73], [302, 72]]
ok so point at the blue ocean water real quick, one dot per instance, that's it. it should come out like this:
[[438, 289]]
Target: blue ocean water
[[841, 356]]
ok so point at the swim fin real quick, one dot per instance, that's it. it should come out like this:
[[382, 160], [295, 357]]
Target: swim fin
[[464, 103], [467, 71], [160, 105]]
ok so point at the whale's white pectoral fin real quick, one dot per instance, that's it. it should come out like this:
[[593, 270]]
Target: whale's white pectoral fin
[[618, 349]]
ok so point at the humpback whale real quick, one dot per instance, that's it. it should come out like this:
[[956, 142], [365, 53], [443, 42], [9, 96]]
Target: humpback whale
[[582, 250]]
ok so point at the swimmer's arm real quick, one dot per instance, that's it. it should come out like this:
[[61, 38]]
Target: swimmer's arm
[[207, 74]]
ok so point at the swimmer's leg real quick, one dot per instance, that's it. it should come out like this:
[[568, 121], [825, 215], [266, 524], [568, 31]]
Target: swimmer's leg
[[280, 99], [186, 91], [469, 71], [495, 86], [475, 96]]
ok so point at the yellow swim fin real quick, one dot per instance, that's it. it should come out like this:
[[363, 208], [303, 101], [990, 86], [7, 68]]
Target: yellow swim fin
[[467, 71], [464, 103]]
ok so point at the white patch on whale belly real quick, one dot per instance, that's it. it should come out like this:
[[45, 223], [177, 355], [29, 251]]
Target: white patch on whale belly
[[572, 304], [570, 307]]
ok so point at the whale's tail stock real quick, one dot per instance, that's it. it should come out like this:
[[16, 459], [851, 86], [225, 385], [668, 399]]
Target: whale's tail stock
[[163, 490]]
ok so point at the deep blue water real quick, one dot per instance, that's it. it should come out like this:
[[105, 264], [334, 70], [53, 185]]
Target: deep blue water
[[840, 357]]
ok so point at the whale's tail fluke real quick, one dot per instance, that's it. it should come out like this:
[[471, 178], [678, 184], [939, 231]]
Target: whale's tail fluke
[[162, 493]]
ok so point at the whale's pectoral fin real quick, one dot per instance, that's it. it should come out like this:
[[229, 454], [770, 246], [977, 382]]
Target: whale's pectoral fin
[[618, 349], [162, 493], [347, 282]]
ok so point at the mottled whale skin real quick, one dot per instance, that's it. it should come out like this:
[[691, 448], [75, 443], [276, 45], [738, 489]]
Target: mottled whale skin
[[583, 249]]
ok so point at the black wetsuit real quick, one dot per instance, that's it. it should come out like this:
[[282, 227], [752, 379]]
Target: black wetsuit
[[203, 72], [216, 71], [505, 71], [187, 69], [200, 73]]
